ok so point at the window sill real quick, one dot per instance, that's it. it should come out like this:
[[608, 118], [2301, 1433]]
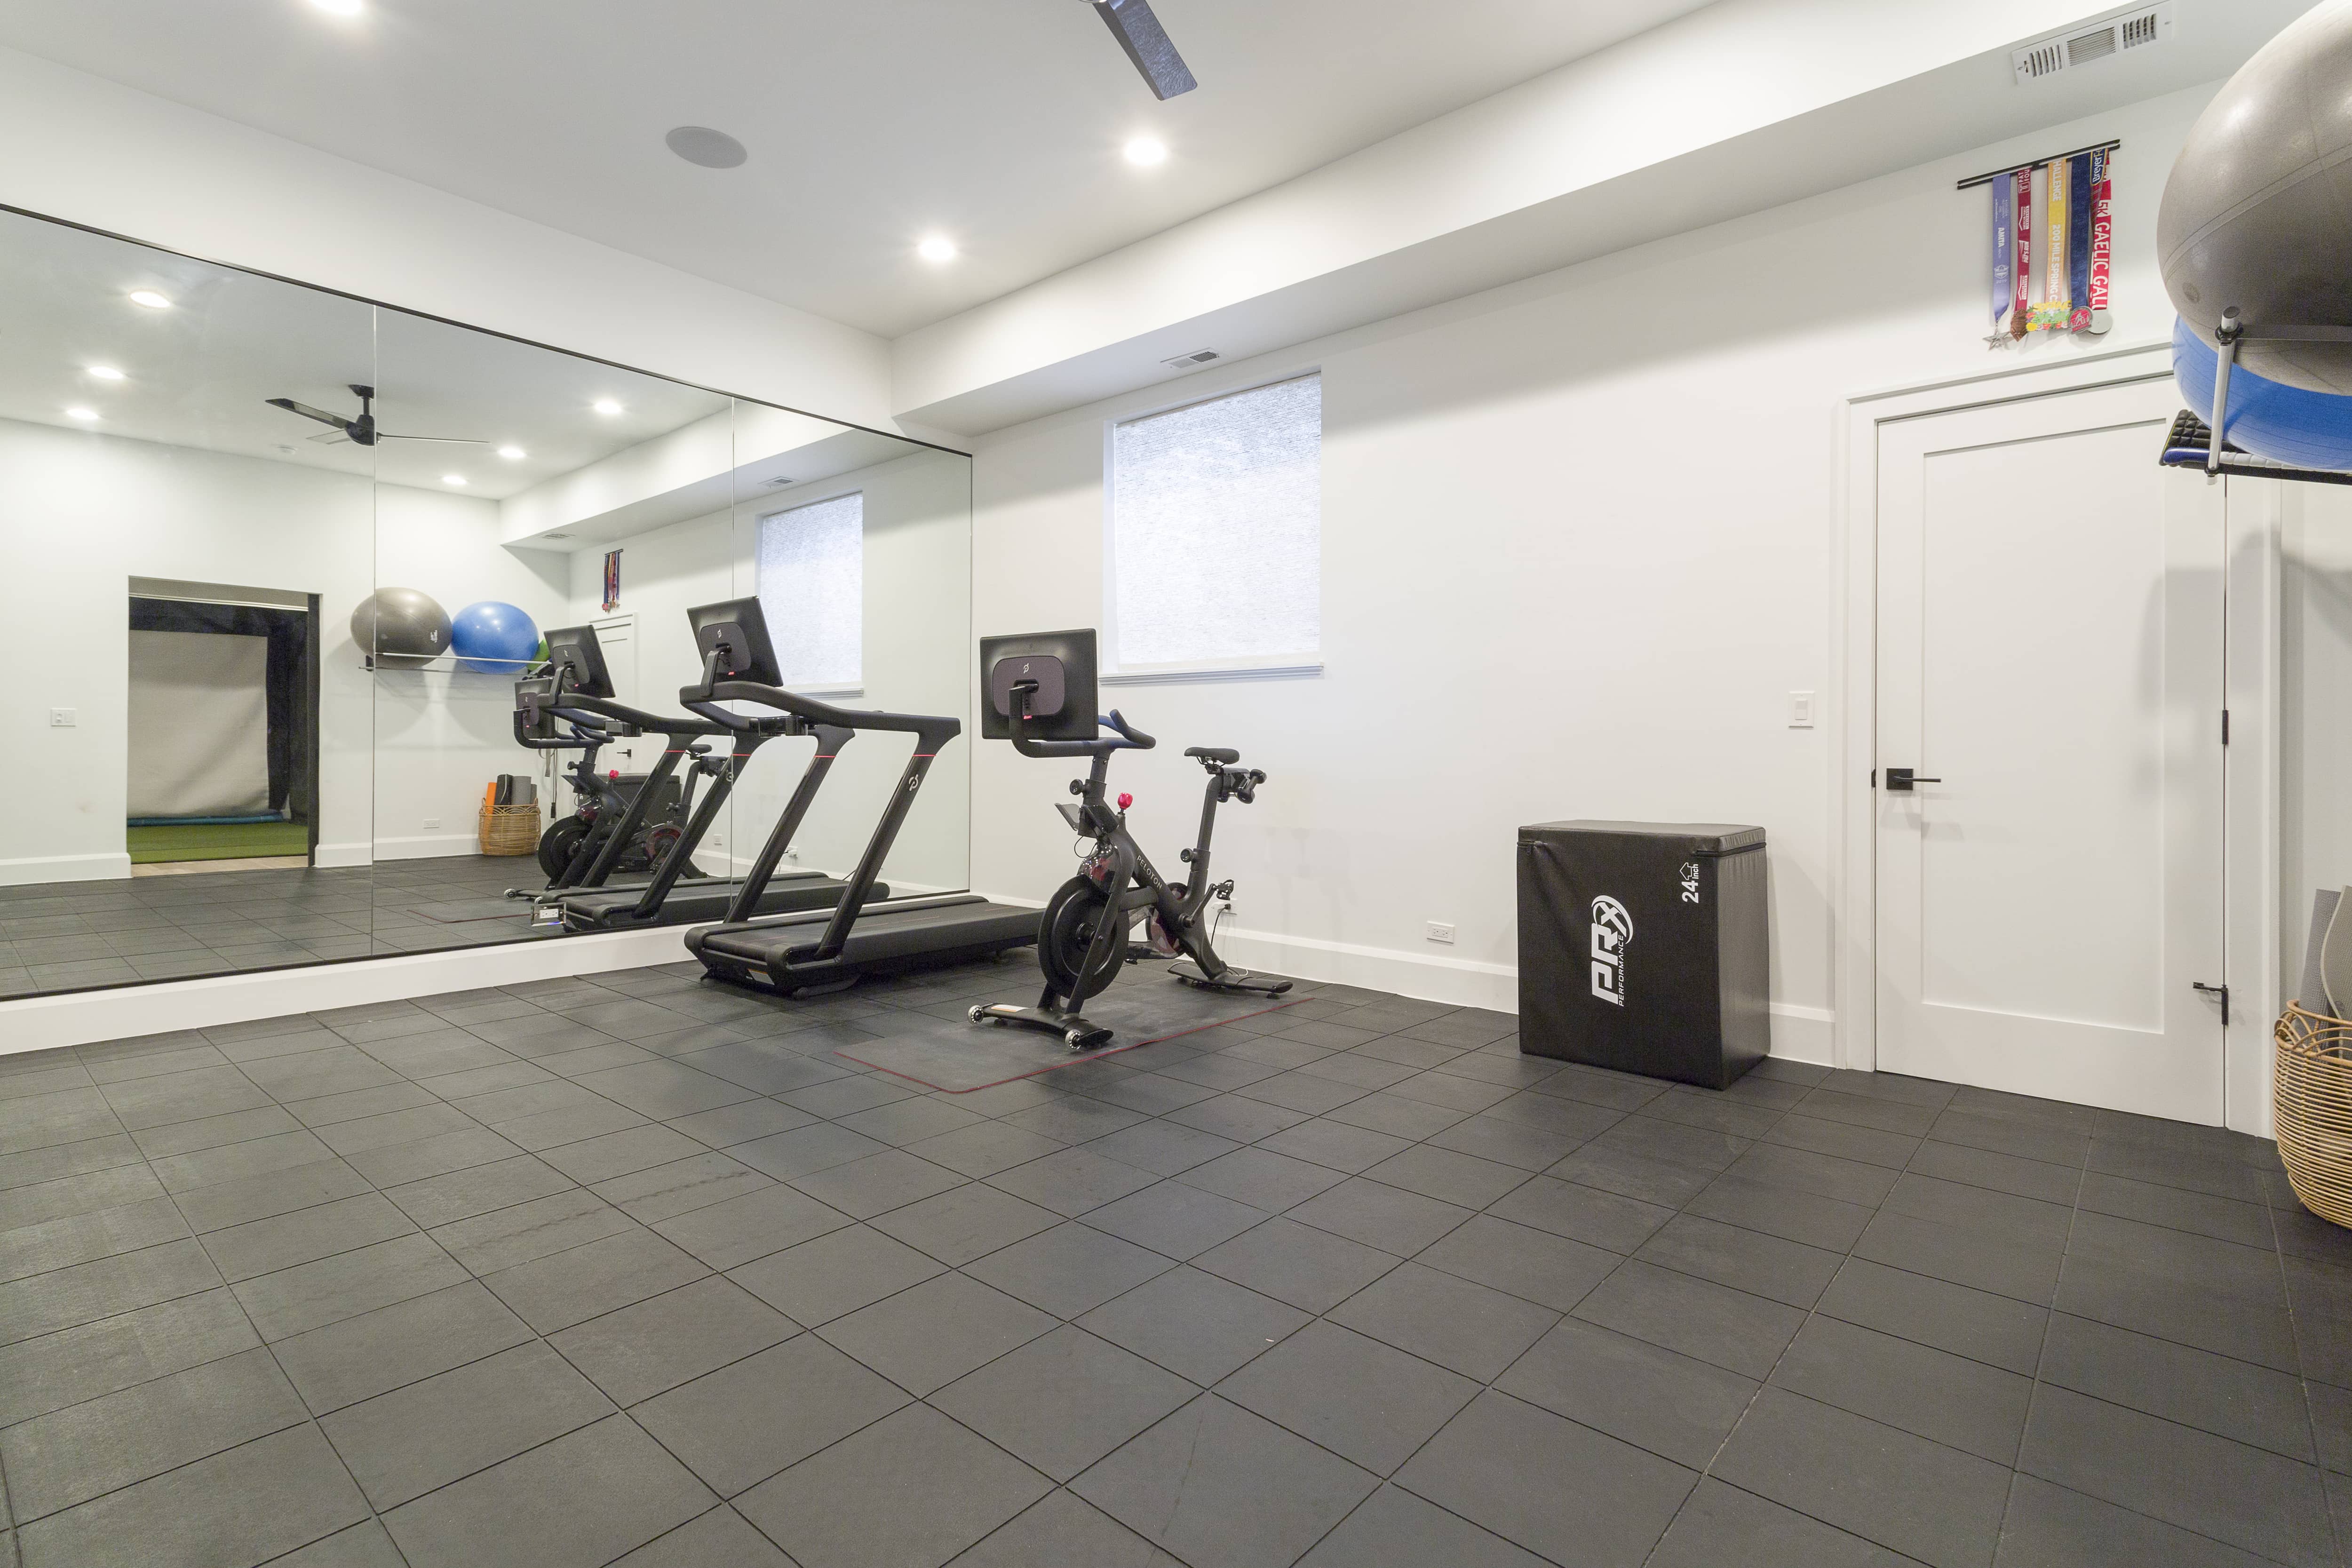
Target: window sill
[[1186, 675], [826, 690]]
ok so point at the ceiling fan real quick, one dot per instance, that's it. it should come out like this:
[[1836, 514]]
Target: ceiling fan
[[1138, 32], [361, 430]]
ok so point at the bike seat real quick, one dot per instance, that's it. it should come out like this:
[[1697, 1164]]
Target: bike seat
[[1223, 756]]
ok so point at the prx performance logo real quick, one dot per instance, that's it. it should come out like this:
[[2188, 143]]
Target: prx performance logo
[[1612, 933]]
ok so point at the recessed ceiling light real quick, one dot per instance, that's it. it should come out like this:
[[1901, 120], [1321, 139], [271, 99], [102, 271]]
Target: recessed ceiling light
[[149, 298], [709, 149], [513, 453], [1146, 151], [105, 373], [938, 247], [605, 406], [82, 412], [453, 479], [339, 7]]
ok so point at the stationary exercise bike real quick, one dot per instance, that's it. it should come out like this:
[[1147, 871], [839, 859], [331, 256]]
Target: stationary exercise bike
[[602, 798], [1041, 698]]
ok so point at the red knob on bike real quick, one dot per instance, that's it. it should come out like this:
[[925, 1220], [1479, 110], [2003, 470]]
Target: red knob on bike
[[615, 774], [1125, 801]]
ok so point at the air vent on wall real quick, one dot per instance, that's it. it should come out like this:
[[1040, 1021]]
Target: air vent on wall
[[1186, 362], [2118, 34]]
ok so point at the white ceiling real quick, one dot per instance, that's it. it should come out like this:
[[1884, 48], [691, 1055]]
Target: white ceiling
[[198, 374], [997, 123]]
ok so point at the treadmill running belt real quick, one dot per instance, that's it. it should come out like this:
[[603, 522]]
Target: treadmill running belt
[[942, 932]]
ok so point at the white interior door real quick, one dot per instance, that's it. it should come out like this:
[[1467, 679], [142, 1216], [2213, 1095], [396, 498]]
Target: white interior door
[[2050, 660], [617, 637]]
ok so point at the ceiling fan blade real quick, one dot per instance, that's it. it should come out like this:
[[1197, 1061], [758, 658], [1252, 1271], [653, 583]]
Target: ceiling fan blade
[[306, 411], [1146, 42], [333, 438]]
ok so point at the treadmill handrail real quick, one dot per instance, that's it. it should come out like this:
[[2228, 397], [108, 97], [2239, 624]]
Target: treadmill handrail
[[930, 732]]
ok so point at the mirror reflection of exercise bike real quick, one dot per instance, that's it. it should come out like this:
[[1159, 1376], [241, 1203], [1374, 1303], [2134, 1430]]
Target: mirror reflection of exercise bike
[[602, 798], [1041, 698]]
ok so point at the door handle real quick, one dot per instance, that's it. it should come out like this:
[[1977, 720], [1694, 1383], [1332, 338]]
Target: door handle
[[1900, 780], [2220, 991]]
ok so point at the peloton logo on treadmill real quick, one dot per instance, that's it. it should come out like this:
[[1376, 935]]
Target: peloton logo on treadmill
[[1613, 931]]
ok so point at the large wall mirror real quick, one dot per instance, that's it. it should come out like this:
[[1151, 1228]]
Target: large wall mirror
[[278, 559]]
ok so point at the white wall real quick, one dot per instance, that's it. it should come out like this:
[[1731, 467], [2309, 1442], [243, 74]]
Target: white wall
[[1579, 546], [916, 610], [2316, 709], [81, 514], [78, 147], [444, 734]]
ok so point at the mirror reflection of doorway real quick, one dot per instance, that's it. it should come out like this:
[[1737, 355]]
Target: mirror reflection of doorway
[[222, 741]]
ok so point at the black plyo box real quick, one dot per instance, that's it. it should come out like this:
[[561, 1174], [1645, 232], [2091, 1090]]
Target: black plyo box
[[1643, 947]]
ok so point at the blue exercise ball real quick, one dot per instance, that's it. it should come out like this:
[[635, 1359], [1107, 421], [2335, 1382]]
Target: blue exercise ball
[[2285, 424], [492, 638]]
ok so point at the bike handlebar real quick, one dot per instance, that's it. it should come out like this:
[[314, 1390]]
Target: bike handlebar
[[1135, 737]]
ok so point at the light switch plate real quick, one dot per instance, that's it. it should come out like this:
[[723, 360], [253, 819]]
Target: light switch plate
[[1800, 711], [61, 717]]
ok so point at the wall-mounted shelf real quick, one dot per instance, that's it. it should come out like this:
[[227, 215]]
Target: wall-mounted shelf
[[449, 663]]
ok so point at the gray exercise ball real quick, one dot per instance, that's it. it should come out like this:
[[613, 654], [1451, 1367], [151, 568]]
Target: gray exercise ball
[[2257, 212], [401, 627]]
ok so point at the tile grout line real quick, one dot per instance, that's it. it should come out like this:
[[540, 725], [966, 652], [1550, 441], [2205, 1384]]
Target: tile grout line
[[2042, 1351], [2336, 1528]]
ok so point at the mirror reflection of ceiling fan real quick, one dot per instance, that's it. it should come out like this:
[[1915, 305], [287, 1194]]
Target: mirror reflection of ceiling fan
[[1138, 32], [360, 431]]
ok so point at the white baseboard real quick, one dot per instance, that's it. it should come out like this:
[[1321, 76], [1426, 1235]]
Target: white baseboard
[[1799, 1034], [1804, 1034], [326, 854], [1427, 977], [427, 845], [37, 869], [43, 1023]]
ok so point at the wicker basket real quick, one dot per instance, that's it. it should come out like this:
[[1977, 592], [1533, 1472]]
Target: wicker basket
[[2315, 1110], [510, 829]]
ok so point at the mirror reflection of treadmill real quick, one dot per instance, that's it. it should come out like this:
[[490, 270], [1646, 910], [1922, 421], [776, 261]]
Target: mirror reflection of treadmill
[[676, 892], [817, 951]]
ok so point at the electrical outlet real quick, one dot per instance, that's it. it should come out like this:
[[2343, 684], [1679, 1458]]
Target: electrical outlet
[[61, 717], [1225, 910], [718, 841], [1439, 930], [1800, 711], [431, 823]]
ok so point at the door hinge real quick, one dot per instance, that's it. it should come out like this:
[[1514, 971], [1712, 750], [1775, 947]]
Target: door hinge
[[2220, 991], [2225, 726]]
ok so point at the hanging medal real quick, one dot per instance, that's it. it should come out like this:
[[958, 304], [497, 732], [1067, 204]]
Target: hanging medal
[[2078, 243], [2021, 301], [2051, 314], [2102, 238], [2004, 214]]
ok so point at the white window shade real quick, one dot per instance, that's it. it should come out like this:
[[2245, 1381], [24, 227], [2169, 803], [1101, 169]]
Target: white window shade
[[812, 591], [1216, 549]]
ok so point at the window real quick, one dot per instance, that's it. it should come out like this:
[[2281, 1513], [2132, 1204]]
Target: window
[[812, 589], [1216, 533]]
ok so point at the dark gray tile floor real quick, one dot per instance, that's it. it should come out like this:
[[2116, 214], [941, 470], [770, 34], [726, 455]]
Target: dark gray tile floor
[[636, 1269], [71, 936]]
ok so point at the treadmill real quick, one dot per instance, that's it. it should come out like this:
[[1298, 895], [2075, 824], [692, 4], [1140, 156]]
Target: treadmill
[[817, 951], [578, 689]]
